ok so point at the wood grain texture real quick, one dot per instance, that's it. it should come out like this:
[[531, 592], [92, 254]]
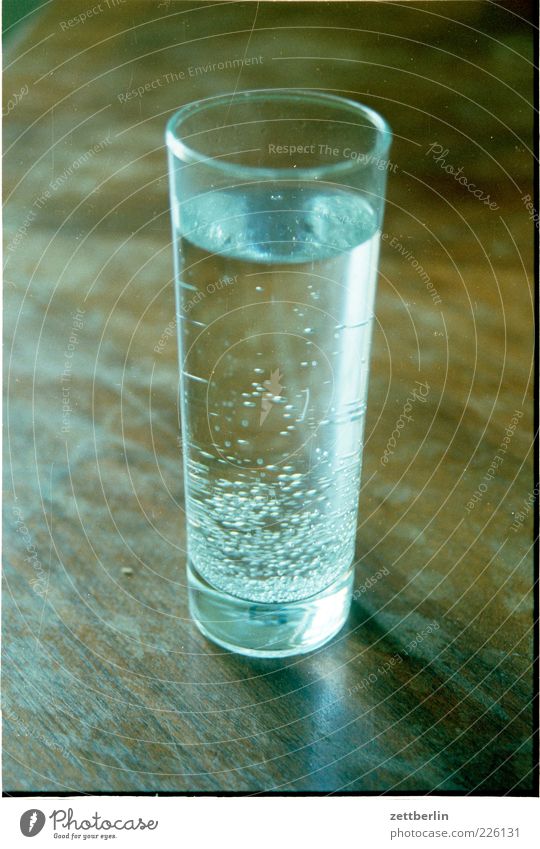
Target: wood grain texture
[[108, 686]]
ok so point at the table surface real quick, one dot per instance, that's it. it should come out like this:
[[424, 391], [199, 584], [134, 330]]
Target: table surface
[[108, 685]]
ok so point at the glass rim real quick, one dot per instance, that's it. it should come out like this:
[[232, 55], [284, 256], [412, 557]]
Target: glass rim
[[190, 155]]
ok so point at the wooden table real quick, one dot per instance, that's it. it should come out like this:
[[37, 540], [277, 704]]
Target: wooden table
[[108, 685]]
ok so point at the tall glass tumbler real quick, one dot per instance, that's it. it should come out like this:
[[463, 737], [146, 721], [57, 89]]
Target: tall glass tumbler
[[277, 199]]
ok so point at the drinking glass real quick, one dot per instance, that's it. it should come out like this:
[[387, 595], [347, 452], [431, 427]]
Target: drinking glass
[[277, 199]]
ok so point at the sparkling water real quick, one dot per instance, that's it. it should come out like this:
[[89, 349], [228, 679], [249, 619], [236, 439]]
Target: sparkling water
[[275, 297]]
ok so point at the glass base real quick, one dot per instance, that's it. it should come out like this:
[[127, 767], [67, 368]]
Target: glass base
[[269, 630]]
